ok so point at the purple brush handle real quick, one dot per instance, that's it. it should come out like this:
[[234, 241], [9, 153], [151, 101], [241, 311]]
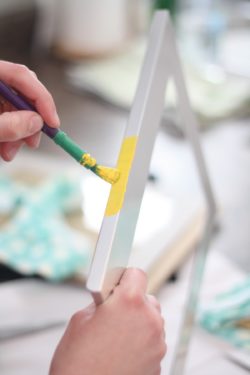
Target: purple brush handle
[[17, 101]]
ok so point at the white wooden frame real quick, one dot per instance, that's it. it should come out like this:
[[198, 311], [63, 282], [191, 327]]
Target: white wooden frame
[[114, 244]]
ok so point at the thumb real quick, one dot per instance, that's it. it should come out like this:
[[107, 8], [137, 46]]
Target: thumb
[[134, 280], [18, 125]]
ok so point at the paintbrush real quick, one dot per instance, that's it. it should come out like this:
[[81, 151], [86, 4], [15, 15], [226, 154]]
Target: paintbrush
[[108, 174]]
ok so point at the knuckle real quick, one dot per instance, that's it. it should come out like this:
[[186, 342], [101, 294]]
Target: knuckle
[[33, 74], [20, 69], [132, 298], [162, 350], [156, 325]]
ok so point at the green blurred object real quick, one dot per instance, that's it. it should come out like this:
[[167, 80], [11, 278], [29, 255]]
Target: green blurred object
[[37, 239], [166, 4], [228, 315]]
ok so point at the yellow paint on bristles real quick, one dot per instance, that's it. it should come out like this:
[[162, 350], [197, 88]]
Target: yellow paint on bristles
[[108, 174]]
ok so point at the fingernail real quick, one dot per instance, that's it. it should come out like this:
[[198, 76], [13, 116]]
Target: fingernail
[[36, 124]]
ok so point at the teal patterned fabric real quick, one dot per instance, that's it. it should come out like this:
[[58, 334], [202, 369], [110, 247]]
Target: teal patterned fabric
[[223, 315], [37, 240]]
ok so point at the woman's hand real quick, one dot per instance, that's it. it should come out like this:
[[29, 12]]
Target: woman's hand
[[19, 127], [123, 336]]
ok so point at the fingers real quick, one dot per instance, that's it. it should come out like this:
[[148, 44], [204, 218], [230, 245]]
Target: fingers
[[134, 281], [22, 79], [33, 141], [9, 150], [17, 125]]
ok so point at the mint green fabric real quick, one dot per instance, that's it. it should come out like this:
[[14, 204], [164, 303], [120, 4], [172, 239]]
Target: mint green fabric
[[38, 240], [221, 316]]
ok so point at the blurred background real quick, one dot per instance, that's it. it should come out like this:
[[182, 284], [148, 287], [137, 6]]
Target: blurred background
[[89, 55], [89, 58]]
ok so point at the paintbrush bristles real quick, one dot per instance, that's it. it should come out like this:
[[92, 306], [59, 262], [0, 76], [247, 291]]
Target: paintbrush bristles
[[110, 175]]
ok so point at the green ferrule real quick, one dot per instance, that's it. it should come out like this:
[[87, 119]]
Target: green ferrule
[[69, 145]]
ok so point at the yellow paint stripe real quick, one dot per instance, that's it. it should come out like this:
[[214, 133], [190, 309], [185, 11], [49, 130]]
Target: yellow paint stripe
[[124, 163]]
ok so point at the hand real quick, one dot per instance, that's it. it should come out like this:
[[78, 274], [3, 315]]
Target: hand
[[19, 127], [123, 336]]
